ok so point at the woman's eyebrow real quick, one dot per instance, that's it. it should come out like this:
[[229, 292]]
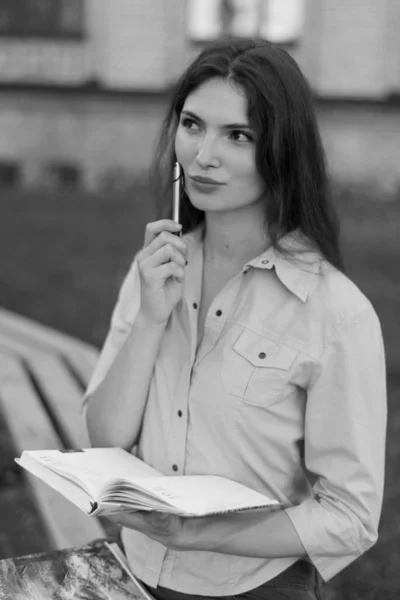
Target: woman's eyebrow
[[192, 115]]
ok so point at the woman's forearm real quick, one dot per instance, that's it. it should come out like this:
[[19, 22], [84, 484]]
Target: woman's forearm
[[257, 535], [115, 409]]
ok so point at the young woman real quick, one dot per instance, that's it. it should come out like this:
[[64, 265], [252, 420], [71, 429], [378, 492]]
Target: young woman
[[241, 349]]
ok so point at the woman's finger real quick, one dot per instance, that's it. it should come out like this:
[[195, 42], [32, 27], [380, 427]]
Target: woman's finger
[[164, 238], [156, 227], [132, 519], [143, 521], [171, 269], [161, 256], [157, 520]]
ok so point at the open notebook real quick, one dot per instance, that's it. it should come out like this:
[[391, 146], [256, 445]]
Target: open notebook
[[103, 481]]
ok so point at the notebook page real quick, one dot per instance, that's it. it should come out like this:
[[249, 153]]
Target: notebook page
[[205, 494], [94, 467]]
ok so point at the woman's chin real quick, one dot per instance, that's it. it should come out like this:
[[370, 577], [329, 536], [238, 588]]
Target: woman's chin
[[202, 203]]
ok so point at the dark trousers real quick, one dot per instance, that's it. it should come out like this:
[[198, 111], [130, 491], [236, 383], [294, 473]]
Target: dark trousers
[[301, 581]]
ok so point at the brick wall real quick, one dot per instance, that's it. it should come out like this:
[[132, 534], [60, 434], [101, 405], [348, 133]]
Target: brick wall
[[352, 47], [392, 46], [98, 135], [36, 61], [348, 47], [132, 45], [128, 44], [362, 143], [104, 135]]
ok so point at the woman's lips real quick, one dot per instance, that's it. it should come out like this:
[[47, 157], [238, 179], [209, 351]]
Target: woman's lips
[[205, 184]]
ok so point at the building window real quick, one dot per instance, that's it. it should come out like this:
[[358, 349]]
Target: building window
[[279, 21], [42, 18], [63, 176], [10, 174]]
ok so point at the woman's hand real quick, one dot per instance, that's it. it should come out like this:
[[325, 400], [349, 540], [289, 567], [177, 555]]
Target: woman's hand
[[260, 534], [161, 527], [161, 265]]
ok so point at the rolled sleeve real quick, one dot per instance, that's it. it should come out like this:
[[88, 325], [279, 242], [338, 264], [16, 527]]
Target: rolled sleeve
[[345, 436], [122, 320]]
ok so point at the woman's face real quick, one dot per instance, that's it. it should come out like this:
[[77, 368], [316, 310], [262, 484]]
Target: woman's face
[[214, 142]]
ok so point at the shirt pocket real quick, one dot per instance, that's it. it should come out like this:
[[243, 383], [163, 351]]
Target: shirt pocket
[[256, 368]]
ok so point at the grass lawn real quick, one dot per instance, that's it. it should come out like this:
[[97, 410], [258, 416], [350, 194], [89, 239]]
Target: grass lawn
[[63, 259]]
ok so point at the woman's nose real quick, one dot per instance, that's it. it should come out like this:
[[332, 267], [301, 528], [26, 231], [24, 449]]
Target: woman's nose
[[207, 153]]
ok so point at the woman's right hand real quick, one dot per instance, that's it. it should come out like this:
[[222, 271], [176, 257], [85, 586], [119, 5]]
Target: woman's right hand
[[161, 264]]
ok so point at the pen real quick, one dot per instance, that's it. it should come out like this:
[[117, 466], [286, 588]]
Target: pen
[[176, 193]]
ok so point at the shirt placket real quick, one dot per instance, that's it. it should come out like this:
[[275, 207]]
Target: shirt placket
[[189, 305], [217, 315], [176, 449], [214, 324]]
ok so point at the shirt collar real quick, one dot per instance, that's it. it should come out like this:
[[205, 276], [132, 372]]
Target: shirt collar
[[296, 269]]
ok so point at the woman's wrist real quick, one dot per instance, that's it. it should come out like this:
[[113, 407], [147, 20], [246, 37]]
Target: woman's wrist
[[254, 534], [143, 321]]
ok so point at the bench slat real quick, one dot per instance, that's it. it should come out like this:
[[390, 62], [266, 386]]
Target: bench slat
[[61, 390], [64, 398], [31, 429], [17, 346], [82, 356], [44, 333]]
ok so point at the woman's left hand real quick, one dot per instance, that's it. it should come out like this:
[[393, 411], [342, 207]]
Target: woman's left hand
[[161, 527]]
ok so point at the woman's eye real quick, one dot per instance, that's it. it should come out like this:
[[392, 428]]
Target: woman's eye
[[239, 136], [189, 124]]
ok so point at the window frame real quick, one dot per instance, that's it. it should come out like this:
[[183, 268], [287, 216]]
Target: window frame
[[289, 42], [52, 32]]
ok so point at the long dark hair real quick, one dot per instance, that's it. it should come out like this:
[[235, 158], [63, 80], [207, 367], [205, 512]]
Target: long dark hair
[[289, 153]]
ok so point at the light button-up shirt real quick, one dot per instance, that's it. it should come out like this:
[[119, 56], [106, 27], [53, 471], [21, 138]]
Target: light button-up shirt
[[285, 394]]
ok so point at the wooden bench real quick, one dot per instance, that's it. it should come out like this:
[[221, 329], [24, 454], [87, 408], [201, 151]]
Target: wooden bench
[[42, 377]]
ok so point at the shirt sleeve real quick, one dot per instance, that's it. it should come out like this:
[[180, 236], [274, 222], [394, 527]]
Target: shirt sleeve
[[345, 436], [122, 320]]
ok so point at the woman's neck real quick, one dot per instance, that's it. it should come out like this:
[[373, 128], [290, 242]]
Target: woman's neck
[[230, 242]]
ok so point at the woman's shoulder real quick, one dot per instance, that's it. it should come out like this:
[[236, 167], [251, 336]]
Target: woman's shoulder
[[333, 294], [340, 296]]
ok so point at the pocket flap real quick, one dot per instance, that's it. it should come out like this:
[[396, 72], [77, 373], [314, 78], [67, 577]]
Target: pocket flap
[[263, 352]]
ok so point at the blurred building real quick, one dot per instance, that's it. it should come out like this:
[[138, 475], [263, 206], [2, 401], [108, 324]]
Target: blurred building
[[84, 83]]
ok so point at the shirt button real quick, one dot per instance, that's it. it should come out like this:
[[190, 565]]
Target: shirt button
[[186, 263], [218, 313], [265, 262], [174, 467], [194, 305], [262, 355], [179, 413]]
